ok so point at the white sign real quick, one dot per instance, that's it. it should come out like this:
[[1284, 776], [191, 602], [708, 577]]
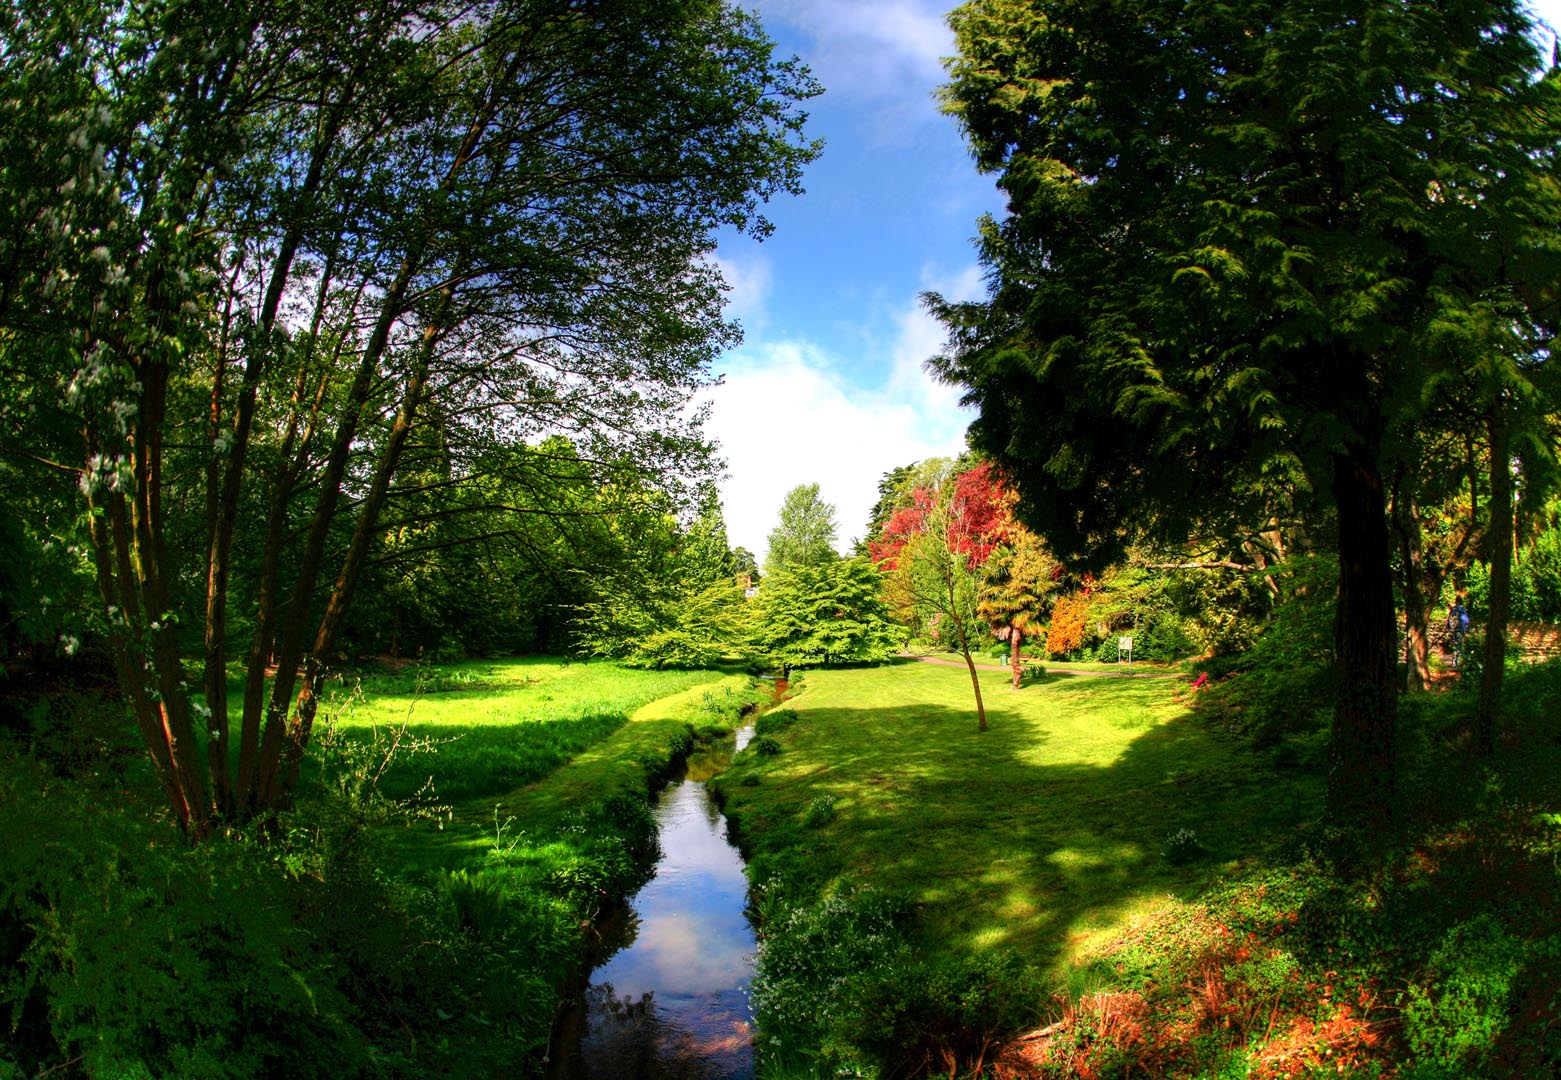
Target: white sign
[[1125, 644]]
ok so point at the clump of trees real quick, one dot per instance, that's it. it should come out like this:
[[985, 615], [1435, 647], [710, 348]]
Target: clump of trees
[[689, 609], [1257, 257], [282, 287]]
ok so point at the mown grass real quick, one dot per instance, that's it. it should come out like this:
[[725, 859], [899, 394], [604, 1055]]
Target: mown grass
[[1036, 836], [1149, 892], [494, 725], [997, 659], [599, 792]]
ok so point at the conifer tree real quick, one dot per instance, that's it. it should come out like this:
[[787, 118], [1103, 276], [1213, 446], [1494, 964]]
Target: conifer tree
[[1242, 239]]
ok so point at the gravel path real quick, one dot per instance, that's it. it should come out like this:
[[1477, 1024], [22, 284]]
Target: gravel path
[[943, 662]]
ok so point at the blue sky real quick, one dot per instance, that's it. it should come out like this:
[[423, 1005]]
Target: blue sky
[[828, 385]]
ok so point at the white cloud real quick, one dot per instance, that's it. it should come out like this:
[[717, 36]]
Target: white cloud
[[920, 336], [886, 53], [787, 414], [748, 276]]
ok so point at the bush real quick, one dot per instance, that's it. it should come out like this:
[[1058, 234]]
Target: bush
[[814, 966], [774, 721], [1452, 1018], [1182, 847], [676, 649], [143, 956], [1284, 684], [944, 1017], [766, 745]]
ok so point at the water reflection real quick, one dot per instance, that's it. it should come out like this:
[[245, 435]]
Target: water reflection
[[674, 1003]]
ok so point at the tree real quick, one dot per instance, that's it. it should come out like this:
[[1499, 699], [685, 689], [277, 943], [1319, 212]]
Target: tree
[[894, 492], [1020, 576], [935, 552], [745, 565], [806, 533], [1433, 513], [672, 599], [824, 613], [267, 248], [1238, 235], [704, 554]]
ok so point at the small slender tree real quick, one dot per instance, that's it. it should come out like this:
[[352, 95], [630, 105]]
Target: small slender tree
[[935, 551]]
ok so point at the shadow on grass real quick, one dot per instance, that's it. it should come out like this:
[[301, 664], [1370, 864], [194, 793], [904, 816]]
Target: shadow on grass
[[1032, 839], [998, 847]]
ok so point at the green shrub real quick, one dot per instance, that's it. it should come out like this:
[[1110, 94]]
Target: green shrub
[[942, 1017], [1283, 685], [1453, 1016], [1182, 847], [766, 745], [774, 721], [814, 968], [144, 956], [676, 649]]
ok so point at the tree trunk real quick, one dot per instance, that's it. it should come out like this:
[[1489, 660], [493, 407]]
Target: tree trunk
[[1499, 550], [1015, 640], [1362, 749], [956, 615], [975, 684]]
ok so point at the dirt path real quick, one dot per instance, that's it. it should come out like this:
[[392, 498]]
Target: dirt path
[[943, 662]]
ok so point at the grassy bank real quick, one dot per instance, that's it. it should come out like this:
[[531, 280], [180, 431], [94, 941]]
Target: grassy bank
[[1034, 836], [1136, 889], [378, 929]]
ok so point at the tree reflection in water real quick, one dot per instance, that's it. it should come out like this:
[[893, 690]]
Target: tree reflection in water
[[632, 1038], [671, 1001]]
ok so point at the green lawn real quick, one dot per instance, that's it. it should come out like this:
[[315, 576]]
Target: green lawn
[[496, 725], [1041, 835]]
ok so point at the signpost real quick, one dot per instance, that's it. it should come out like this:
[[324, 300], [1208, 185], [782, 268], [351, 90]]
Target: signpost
[[1125, 645]]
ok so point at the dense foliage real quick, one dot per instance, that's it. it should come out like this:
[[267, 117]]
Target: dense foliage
[[805, 534], [271, 278], [1241, 237], [829, 613]]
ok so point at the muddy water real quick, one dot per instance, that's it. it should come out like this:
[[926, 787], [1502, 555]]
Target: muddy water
[[672, 1003]]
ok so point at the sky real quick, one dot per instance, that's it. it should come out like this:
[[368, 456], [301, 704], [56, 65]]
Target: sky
[[828, 386]]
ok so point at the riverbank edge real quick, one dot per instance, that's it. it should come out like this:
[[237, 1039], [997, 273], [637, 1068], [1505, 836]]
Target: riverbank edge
[[635, 762]]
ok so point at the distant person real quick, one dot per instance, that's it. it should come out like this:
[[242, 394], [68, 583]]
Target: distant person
[[1457, 625]]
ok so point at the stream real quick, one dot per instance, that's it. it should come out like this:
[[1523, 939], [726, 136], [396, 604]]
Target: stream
[[671, 1001]]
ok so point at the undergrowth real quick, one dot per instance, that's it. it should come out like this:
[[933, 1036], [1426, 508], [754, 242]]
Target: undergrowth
[[345, 940]]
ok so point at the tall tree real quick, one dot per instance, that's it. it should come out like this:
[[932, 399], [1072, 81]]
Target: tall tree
[[806, 533], [1236, 235], [264, 239]]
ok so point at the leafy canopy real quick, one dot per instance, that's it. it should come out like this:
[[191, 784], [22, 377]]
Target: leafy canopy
[[805, 535]]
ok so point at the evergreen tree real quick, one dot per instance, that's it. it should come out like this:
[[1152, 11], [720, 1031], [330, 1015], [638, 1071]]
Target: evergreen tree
[[1242, 238]]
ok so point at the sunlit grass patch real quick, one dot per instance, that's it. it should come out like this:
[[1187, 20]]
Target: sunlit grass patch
[[1057, 814], [1036, 840], [496, 725]]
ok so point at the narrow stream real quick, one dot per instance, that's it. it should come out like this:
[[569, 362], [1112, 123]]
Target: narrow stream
[[672, 1002]]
